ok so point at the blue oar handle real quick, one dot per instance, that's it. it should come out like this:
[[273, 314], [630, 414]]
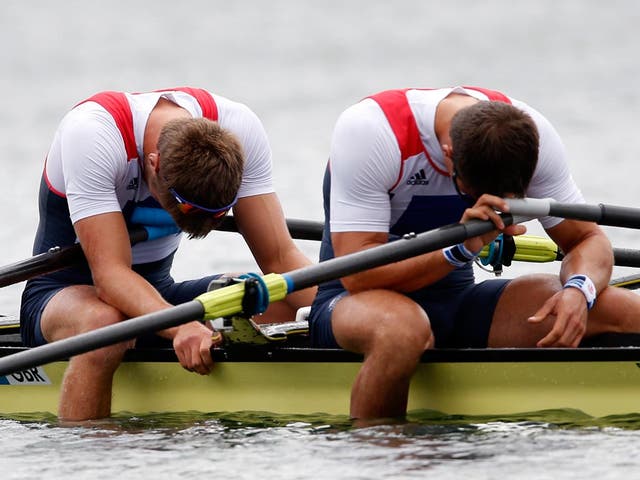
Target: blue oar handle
[[153, 233], [156, 221]]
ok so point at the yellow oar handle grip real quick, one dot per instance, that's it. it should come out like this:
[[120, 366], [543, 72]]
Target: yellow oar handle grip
[[530, 248], [227, 301]]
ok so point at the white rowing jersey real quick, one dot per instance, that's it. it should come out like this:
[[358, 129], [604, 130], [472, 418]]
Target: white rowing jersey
[[387, 170], [94, 163]]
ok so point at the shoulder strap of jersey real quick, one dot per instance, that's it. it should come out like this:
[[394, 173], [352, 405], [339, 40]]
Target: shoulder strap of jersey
[[118, 107], [395, 106]]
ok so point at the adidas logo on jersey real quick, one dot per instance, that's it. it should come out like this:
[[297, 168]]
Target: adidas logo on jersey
[[418, 178], [133, 184]]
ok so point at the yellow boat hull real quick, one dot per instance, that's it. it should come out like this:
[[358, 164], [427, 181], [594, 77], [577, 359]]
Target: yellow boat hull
[[479, 383]]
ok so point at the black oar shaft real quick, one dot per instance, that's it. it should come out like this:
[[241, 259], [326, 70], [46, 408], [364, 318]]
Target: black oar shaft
[[102, 337], [55, 259], [59, 258], [407, 246], [48, 262], [626, 257], [298, 228], [305, 229], [602, 214], [622, 257]]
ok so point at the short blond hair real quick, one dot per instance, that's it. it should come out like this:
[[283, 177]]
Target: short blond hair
[[203, 163]]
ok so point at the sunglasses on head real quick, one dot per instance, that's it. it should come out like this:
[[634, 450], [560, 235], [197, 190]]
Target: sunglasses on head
[[187, 207]]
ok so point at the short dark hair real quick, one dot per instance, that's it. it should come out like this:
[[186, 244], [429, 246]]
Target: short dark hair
[[204, 163], [495, 148]]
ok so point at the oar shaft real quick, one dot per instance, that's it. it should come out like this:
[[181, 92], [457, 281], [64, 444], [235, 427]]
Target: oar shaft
[[298, 229], [59, 258], [102, 337], [602, 214], [55, 259], [48, 262], [407, 246], [626, 257]]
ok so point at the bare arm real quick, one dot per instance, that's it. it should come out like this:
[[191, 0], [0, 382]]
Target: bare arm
[[105, 242], [261, 222], [417, 272], [405, 276], [588, 252]]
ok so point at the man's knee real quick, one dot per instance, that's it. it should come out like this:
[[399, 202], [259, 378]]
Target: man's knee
[[382, 322]]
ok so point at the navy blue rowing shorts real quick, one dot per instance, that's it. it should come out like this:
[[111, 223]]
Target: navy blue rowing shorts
[[459, 317], [40, 290]]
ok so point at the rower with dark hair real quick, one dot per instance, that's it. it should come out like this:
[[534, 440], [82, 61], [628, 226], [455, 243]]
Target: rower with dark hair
[[408, 161]]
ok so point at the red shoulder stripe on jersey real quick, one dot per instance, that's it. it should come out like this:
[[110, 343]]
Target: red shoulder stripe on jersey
[[204, 98], [48, 182], [396, 108], [118, 107], [492, 95]]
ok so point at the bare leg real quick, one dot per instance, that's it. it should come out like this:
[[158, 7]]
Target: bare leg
[[617, 310], [519, 300], [392, 332], [86, 387]]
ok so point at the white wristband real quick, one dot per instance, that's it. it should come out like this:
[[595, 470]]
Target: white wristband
[[458, 255], [585, 285]]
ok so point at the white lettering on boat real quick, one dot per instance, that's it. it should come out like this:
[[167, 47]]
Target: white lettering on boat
[[32, 376]]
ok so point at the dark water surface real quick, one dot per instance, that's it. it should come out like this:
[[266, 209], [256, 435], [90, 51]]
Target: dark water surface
[[554, 444]]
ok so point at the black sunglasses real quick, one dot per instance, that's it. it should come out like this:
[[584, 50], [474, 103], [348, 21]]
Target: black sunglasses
[[468, 199]]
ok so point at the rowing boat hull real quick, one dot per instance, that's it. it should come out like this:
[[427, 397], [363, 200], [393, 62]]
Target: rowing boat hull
[[597, 381]]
